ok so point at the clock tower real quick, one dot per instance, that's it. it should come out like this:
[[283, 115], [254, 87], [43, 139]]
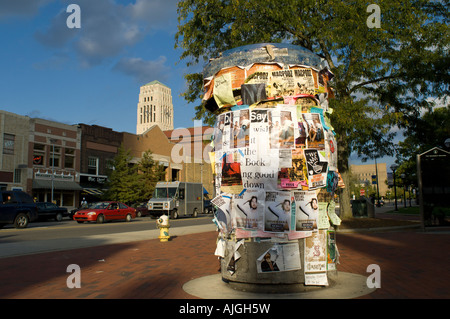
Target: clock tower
[[154, 107]]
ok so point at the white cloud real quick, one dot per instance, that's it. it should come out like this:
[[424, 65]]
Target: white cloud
[[144, 71], [108, 28]]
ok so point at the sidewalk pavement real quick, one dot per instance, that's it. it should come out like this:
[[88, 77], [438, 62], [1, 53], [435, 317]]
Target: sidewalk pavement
[[413, 264]]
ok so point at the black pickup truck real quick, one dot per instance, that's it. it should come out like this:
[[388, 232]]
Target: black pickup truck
[[18, 208]]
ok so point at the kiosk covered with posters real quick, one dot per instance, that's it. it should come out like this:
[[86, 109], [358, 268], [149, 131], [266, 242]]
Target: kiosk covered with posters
[[275, 164]]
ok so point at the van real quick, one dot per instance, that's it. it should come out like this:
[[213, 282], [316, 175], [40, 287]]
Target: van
[[176, 199]]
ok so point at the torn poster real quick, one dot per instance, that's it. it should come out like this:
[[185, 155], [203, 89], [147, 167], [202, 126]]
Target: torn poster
[[280, 257]]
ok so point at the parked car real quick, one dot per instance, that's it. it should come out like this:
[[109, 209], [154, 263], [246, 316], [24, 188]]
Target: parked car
[[84, 206], [48, 210], [105, 211], [208, 207], [18, 208], [141, 209]]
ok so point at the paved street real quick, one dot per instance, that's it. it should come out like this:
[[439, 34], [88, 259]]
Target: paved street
[[413, 264]]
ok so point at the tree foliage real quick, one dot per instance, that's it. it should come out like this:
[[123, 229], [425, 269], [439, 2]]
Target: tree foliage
[[425, 132], [150, 172], [123, 178], [130, 183], [383, 76]]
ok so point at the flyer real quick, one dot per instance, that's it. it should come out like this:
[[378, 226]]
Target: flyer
[[277, 216], [317, 168], [248, 209], [240, 128], [316, 258], [280, 257], [295, 176], [306, 210], [315, 131], [223, 92], [223, 212], [231, 179], [332, 251]]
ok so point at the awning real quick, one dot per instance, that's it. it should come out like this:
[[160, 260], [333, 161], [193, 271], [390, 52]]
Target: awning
[[92, 191], [62, 185]]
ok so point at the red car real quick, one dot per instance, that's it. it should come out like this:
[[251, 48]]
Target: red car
[[105, 211]]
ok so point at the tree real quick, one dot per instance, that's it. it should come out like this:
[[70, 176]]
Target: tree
[[383, 76], [123, 180], [150, 172], [423, 133]]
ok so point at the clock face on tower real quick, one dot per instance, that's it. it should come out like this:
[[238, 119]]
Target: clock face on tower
[[38, 159]]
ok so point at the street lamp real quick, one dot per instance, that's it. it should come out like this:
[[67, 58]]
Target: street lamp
[[394, 168]]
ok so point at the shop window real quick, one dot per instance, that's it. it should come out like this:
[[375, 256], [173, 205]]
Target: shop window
[[8, 144]]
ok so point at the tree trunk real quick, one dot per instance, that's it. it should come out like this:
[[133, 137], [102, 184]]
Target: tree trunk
[[345, 210]]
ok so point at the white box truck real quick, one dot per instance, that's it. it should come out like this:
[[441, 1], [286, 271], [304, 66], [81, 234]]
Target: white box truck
[[176, 199]]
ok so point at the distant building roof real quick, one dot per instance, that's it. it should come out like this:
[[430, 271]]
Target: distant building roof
[[156, 82]]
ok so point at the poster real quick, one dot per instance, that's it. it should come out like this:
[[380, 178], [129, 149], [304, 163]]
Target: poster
[[222, 216], [231, 179], [324, 198], [317, 169], [277, 215], [316, 258], [306, 210], [282, 127], [304, 80], [240, 128], [294, 176], [315, 133], [280, 257], [248, 209], [223, 92], [259, 163], [332, 251], [252, 93], [331, 150]]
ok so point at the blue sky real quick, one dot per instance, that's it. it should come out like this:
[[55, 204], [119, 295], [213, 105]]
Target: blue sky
[[89, 75], [92, 74]]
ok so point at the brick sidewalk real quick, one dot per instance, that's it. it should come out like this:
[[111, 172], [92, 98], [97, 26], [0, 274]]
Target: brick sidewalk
[[413, 265]]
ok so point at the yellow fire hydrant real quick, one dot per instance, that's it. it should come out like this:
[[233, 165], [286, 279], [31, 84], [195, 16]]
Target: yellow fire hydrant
[[163, 224]]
